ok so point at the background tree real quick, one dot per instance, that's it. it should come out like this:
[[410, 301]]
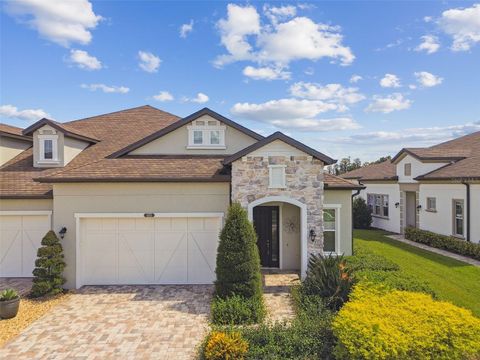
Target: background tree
[[48, 273], [238, 260], [362, 216]]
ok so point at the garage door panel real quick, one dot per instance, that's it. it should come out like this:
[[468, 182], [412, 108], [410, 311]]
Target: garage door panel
[[136, 255], [162, 250], [20, 238]]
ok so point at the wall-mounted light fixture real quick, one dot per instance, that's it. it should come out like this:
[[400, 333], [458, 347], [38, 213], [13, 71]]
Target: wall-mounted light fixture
[[397, 204], [419, 207], [62, 232], [312, 235], [149, 215]]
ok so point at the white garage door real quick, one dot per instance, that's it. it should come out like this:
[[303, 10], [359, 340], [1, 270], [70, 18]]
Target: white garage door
[[20, 237], [160, 250]]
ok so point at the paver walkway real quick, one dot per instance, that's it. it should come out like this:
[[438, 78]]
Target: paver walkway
[[119, 322], [435, 250], [276, 293], [21, 285]]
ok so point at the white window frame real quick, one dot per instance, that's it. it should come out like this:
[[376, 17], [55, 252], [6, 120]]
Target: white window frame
[[41, 143], [409, 167], [455, 218], [428, 205], [337, 208], [206, 129], [382, 204], [283, 184]]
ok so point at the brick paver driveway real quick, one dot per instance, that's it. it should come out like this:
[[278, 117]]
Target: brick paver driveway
[[119, 322]]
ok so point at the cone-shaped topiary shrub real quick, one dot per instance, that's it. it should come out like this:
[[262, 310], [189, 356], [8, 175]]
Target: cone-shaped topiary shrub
[[362, 216], [48, 279], [238, 260]]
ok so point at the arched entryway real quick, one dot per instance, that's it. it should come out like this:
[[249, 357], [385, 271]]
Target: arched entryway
[[302, 223]]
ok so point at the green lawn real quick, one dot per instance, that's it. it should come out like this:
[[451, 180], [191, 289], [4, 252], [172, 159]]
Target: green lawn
[[452, 280]]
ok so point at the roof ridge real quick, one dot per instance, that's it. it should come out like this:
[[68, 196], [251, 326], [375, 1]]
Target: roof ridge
[[119, 111]]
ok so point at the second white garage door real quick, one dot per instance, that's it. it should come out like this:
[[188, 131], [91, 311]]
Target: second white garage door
[[160, 250]]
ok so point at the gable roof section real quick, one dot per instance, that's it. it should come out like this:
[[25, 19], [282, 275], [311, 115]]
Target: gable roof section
[[333, 182], [182, 122], [13, 132], [286, 139], [64, 128], [385, 171]]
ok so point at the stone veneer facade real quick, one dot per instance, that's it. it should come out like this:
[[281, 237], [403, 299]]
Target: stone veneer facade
[[304, 182]]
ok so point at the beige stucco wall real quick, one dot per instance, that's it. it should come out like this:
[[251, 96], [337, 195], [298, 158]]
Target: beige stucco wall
[[25, 204], [176, 143], [129, 198], [9, 148], [344, 198], [71, 148]]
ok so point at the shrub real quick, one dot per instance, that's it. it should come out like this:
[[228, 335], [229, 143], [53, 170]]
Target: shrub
[[225, 346], [443, 242], [362, 216], [365, 260], [238, 260], [395, 280], [8, 294], [48, 279], [378, 324], [236, 310], [328, 278]]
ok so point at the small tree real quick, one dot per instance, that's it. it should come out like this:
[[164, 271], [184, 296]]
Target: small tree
[[238, 260], [48, 279], [362, 216]]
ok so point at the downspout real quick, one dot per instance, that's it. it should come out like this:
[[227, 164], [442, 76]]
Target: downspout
[[467, 185], [353, 195]]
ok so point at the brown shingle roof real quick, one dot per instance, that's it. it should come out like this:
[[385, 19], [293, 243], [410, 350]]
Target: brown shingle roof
[[115, 131], [381, 171], [147, 168], [13, 131], [333, 182]]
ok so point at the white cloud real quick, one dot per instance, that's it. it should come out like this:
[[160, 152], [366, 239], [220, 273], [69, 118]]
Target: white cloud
[[185, 29], [428, 19], [429, 44], [412, 86], [355, 78], [12, 112], [240, 23], [427, 79], [85, 61], [317, 125], [200, 98], [334, 93], [148, 61], [266, 73], [390, 81], [163, 96], [463, 25], [276, 14], [388, 103], [106, 88], [278, 42], [61, 21]]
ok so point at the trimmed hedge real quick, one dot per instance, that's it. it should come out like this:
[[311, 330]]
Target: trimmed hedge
[[365, 260], [237, 310], [380, 324], [443, 242]]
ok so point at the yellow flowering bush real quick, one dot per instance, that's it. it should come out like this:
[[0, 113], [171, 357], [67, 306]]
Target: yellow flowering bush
[[381, 324], [225, 346]]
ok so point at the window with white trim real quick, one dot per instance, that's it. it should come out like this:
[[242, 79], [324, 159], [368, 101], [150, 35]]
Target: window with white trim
[[407, 169], [330, 230], [378, 204], [48, 147], [431, 204], [206, 135], [458, 218], [277, 176]]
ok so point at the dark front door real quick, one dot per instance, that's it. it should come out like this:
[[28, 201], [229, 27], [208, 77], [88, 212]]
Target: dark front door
[[266, 221]]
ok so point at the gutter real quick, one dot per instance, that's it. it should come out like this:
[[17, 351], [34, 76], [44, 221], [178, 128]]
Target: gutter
[[467, 185], [356, 193]]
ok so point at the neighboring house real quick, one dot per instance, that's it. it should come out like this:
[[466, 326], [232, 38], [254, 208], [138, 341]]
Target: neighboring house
[[140, 196], [435, 188]]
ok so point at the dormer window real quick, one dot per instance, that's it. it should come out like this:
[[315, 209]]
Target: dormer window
[[204, 134], [48, 148]]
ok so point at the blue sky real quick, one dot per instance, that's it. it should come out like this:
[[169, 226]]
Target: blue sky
[[348, 78]]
